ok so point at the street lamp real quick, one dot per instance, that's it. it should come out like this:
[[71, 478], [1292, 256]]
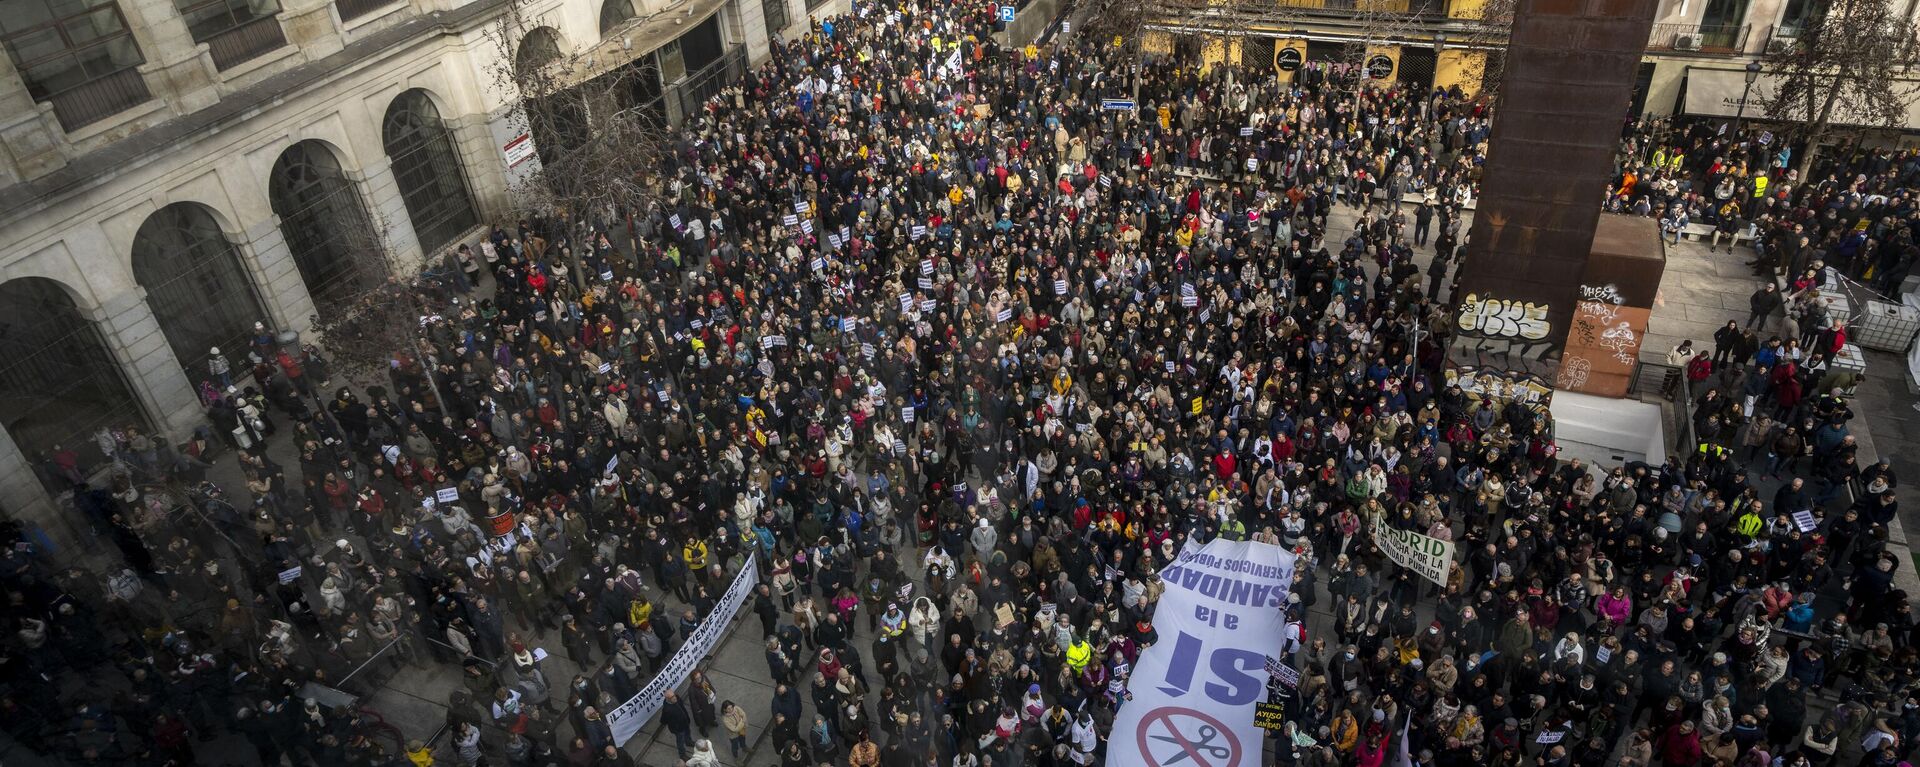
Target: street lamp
[[1753, 73]]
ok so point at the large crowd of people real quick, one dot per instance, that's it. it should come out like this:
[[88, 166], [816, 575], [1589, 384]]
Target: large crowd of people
[[958, 359]]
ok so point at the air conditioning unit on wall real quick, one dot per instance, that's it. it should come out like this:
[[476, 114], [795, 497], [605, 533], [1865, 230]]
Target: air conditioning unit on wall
[[1686, 42], [1778, 45]]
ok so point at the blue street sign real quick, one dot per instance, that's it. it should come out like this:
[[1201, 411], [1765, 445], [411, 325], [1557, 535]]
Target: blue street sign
[[1006, 14], [1117, 105]]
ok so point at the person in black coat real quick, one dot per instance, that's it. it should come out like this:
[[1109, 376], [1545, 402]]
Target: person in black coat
[[673, 714]]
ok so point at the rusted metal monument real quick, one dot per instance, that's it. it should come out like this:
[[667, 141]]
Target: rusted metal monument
[[1552, 295]]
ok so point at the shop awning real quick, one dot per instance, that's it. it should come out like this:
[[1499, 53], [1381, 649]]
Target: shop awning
[[1716, 93]]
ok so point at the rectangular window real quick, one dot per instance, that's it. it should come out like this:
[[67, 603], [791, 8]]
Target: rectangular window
[[75, 54], [814, 5], [234, 30], [776, 13], [353, 9], [672, 65]]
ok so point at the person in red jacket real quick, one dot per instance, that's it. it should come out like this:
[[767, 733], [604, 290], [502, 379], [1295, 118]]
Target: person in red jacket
[[1680, 745]]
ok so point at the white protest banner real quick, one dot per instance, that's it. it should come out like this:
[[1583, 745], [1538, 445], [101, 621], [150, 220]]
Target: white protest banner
[[1195, 691], [1804, 519], [1430, 557], [447, 495], [627, 720]]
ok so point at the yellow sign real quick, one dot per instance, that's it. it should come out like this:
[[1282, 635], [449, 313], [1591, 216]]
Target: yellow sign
[[1196, 405], [1117, 41]]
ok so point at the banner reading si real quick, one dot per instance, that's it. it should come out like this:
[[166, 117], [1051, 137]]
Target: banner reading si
[[627, 720], [1194, 693], [1431, 557]]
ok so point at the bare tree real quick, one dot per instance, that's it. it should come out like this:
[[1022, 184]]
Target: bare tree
[[377, 324], [1845, 65], [599, 117], [1485, 30]]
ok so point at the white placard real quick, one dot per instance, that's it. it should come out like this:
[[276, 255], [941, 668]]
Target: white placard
[[447, 495]]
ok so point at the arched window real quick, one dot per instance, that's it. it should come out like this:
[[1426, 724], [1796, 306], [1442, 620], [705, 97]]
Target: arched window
[[59, 383], [198, 290], [427, 170], [332, 240], [539, 48], [613, 13], [557, 117]]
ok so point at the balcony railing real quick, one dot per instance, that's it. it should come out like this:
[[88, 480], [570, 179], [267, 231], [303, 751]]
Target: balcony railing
[[245, 42], [1705, 38], [353, 9], [99, 98]]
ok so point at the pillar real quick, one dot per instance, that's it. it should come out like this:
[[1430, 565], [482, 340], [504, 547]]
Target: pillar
[[484, 163], [33, 138], [310, 25], [127, 324], [282, 289], [177, 69], [24, 499], [388, 212], [1569, 76]]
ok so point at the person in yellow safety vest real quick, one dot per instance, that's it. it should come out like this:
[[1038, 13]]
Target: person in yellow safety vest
[[1748, 524], [1079, 654], [1759, 185], [1233, 529]]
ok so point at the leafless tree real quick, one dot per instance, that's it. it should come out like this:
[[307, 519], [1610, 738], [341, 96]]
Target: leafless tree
[[598, 115], [1846, 64], [377, 324], [1485, 30]]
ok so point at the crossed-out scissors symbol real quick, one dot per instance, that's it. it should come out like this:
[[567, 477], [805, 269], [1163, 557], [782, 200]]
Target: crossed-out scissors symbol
[[1208, 733]]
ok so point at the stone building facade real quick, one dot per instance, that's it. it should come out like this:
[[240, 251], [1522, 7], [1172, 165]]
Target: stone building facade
[[176, 170]]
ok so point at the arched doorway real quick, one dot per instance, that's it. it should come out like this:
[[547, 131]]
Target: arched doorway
[[198, 289], [428, 171], [556, 115], [59, 383], [326, 228]]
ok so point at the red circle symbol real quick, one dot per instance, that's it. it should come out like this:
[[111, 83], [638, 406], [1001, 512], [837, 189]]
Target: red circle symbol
[[1184, 736]]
